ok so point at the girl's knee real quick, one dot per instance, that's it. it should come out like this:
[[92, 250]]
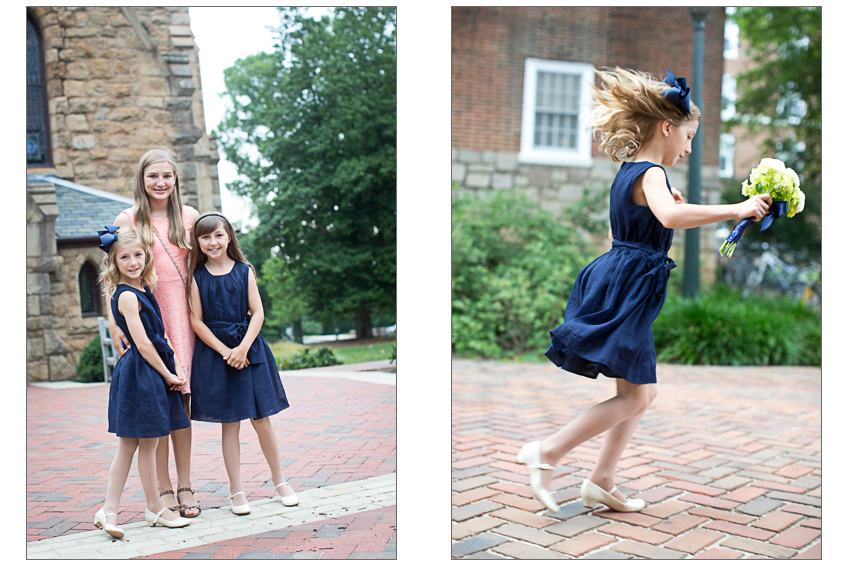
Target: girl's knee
[[260, 423], [651, 393], [639, 397]]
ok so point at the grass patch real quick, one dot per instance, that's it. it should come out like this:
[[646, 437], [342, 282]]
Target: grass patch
[[346, 351]]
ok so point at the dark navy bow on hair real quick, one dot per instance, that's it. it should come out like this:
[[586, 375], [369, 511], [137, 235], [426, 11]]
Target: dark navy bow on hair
[[679, 94], [107, 237]]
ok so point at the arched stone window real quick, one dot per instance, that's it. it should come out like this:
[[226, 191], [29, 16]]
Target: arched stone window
[[89, 291], [38, 132]]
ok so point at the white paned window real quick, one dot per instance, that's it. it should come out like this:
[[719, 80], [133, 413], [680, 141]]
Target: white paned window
[[732, 38], [729, 97], [726, 155], [555, 105]]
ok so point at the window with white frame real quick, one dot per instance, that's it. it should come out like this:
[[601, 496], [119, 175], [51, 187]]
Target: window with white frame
[[726, 155], [729, 97], [555, 104], [732, 37]]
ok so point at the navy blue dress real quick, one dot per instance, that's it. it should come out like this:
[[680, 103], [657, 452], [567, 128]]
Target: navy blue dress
[[607, 324], [141, 405], [221, 393]]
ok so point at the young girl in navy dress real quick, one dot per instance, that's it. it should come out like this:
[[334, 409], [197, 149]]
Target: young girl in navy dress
[[234, 373], [144, 403], [647, 124]]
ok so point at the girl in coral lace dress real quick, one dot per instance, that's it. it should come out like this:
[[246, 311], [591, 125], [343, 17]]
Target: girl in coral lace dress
[[165, 225]]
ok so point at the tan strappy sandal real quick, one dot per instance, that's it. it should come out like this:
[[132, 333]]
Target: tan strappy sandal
[[184, 508]]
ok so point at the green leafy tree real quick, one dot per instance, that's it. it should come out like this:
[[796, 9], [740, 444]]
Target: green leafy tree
[[320, 113], [288, 304], [781, 95]]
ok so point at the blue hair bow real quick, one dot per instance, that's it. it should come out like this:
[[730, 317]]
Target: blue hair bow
[[679, 94], [107, 237]]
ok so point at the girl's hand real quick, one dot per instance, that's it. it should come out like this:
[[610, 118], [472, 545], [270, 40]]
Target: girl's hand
[[238, 357], [175, 382], [676, 194], [757, 206], [119, 340], [181, 375]]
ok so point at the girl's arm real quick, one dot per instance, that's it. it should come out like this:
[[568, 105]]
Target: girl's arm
[[177, 366], [128, 305], [203, 332], [240, 352], [684, 215], [119, 339]]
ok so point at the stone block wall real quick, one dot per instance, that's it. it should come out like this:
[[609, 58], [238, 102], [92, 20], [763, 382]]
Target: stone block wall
[[121, 81]]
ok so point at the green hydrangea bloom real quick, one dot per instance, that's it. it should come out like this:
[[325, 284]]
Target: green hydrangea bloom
[[782, 183]]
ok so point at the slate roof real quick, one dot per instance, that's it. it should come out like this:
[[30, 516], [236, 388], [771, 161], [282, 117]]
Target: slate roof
[[82, 210]]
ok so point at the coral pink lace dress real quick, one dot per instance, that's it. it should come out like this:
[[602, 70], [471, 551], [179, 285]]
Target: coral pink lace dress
[[170, 292]]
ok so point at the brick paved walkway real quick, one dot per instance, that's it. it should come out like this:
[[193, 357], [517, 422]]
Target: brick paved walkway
[[338, 431], [728, 460]]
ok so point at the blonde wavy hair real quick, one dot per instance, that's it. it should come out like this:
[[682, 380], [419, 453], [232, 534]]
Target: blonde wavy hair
[[141, 210], [206, 224], [627, 108], [109, 274]]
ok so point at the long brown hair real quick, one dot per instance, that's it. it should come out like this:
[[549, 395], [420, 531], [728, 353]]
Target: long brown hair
[[141, 210], [627, 108], [109, 274], [206, 224]]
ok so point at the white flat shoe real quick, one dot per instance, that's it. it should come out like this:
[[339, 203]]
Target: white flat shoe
[[592, 494], [154, 519], [239, 509], [529, 455], [101, 523], [288, 500]]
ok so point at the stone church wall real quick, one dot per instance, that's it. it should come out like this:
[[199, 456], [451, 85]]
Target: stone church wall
[[119, 81]]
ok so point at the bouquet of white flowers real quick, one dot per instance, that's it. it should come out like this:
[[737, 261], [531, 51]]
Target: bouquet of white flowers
[[773, 177]]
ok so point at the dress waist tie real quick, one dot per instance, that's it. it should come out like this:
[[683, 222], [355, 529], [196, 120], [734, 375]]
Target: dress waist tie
[[660, 263]]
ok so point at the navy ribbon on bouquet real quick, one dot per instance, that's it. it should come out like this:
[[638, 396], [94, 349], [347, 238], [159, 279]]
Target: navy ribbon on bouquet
[[232, 334], [661, 264], [778, 209]]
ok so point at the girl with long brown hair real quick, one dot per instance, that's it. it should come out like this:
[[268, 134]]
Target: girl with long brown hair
[[165, 225]]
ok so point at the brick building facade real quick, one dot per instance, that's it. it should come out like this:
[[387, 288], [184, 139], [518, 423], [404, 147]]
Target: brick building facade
[[492, 48], [104, 85]]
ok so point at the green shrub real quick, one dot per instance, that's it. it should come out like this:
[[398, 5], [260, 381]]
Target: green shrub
[[307, 359], [512, 268], [721, 327], [90, 367]]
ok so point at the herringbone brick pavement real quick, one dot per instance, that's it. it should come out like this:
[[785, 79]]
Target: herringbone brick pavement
[[728, 460], [336, 430], [370, 534]]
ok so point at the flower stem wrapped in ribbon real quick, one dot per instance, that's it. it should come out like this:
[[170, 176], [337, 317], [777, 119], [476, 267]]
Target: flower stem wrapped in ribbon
[[771, 177]]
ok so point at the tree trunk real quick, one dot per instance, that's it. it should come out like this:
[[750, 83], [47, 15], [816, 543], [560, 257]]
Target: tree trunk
[[363, 323], [298, 332]]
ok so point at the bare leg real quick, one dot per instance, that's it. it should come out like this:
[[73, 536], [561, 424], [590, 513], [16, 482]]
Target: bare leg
[[147, 475], [268, 444], [163, 478], [118, 473], [615, 441], [230, 448], [630, 401], [182, 457]]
